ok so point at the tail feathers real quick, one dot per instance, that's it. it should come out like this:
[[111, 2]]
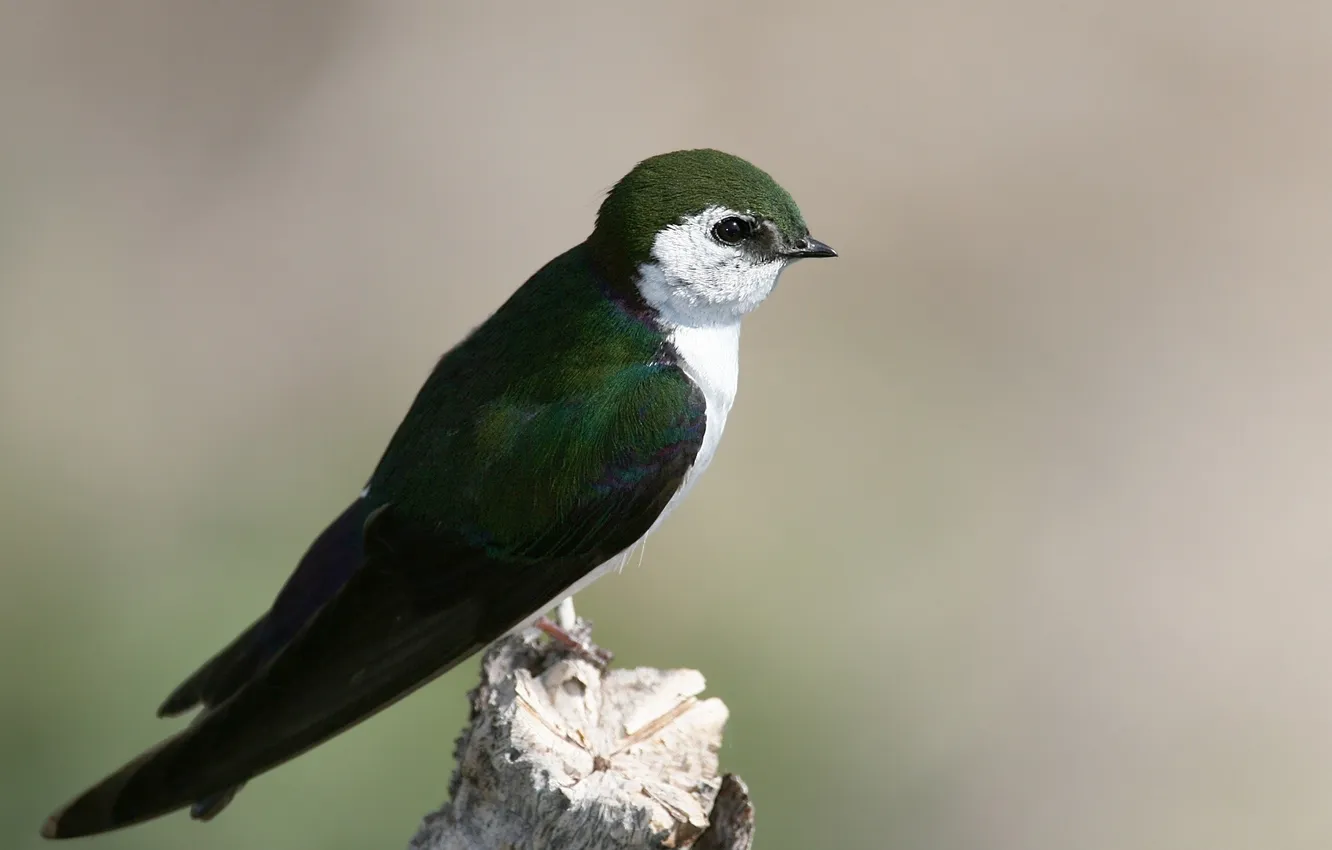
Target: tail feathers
[[118, 800], [332, 559], [156, 783], [221, 675], [211, 806]]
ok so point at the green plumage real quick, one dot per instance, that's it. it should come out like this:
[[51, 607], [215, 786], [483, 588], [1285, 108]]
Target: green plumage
[[663, 189], [547, 442], [565, 395]]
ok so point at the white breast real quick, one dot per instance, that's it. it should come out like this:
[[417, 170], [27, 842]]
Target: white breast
[[710, 356], [700, 289], [702, 322]]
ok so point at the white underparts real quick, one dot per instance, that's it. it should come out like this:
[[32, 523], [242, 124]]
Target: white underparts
[[700, 289], [710, 356], [615, 563]]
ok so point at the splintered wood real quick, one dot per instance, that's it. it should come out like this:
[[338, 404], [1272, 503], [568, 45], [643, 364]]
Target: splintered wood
[[558, 754]]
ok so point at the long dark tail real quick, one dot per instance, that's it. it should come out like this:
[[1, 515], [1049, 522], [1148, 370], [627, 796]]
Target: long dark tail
[[370, 647], [221, 676], [129, 795], [97, 811], [326, 566], [415, 609]]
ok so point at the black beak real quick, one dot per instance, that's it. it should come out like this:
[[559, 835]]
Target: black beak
[[810, 247]]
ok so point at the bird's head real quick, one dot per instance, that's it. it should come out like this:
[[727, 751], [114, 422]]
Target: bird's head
[[702, 233]]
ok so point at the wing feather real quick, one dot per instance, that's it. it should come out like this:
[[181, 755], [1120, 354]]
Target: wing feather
[[427, 595]]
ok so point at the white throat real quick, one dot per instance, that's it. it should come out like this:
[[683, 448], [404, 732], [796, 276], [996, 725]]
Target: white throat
[[701, 289], [696, 281], [710, 356], [709, 350]]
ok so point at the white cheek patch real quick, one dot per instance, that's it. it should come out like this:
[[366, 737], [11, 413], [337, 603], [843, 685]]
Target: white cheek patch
[[697, 281]]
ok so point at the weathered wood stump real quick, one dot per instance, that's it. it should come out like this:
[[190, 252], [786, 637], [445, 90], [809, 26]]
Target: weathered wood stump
[[561, 755]]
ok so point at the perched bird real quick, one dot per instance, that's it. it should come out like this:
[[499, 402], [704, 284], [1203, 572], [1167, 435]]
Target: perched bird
[[553, 438]]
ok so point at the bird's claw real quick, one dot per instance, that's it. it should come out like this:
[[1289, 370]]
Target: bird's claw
[[577, 641]]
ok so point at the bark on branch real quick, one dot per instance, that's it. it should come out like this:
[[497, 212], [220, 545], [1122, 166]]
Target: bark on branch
[[558, 755]]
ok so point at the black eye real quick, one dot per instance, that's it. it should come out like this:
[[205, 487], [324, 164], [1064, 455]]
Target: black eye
[[732, 229]]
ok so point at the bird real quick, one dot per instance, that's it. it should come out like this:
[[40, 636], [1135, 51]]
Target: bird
[[541, 449]]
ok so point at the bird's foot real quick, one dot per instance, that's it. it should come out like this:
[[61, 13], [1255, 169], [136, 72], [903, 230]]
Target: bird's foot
[[576, 640]]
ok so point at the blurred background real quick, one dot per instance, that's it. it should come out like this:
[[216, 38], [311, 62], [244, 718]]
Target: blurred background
[[1021, 534]]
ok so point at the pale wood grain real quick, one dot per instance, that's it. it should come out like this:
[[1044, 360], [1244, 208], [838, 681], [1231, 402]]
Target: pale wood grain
[[559, 755]]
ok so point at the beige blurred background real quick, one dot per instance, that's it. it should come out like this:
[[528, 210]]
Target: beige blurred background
[[1021, 535]]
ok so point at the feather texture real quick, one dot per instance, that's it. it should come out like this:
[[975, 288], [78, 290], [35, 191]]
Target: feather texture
[[541, 447]]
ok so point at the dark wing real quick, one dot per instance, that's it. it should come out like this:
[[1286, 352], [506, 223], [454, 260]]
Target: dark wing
[[424, 599], [326, 566]]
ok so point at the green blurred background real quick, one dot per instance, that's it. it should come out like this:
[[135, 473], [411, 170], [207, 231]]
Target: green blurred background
[[1020, 536]]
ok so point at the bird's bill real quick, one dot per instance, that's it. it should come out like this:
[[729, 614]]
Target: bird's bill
[[810, 247]]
